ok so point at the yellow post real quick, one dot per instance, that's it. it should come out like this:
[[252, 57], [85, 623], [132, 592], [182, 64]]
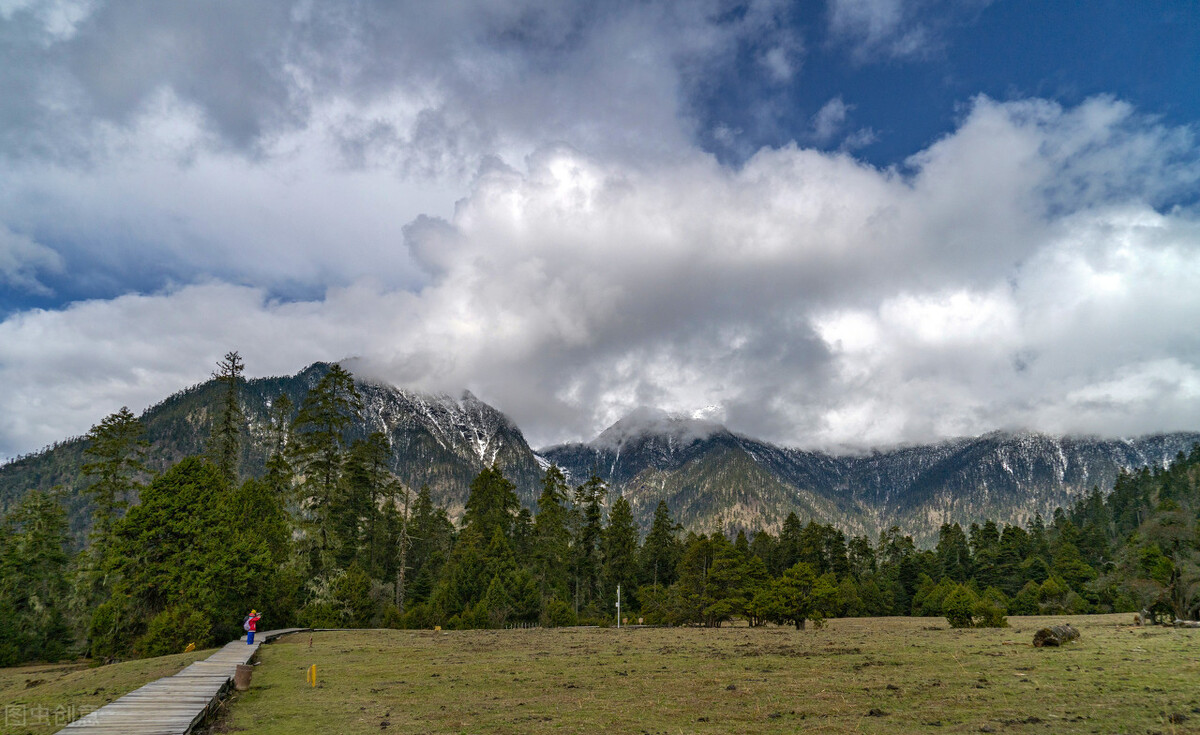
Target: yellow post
[[311, 678]]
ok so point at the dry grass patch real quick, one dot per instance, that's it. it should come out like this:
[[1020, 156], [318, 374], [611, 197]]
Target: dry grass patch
[[40, 698], [878, 675]]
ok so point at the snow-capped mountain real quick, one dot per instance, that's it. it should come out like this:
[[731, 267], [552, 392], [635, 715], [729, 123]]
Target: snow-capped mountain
[[444, 442], [710, 477], [713, 478]]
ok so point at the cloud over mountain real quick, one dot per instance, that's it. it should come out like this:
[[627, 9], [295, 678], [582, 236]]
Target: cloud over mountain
[[515, 198]]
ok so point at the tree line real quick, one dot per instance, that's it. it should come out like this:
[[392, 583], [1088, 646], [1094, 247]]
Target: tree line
[[327, 536]]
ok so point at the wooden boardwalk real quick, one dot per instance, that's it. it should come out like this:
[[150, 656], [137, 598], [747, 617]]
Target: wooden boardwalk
[[173, 705]]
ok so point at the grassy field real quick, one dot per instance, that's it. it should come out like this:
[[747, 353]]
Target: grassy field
[[41, 699], [889, 675]]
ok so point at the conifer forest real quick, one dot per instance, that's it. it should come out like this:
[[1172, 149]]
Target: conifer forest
[[327, 536]]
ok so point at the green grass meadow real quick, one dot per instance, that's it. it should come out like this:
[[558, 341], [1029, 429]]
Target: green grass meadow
[[873, 675]]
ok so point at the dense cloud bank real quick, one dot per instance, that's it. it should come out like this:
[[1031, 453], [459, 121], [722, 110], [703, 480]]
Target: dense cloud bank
[[1015, 274], [510, 198]]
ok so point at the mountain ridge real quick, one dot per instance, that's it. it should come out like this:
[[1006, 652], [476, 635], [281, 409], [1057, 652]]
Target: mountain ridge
[[712, 478], [1006, 476]]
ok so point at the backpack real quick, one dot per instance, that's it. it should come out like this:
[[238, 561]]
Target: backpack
[[246, 623]]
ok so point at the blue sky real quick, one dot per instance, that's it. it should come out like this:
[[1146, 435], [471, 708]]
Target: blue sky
[[833, 223], [1144, 53]]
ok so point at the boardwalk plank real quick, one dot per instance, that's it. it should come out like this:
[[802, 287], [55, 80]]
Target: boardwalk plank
[[174, 705]]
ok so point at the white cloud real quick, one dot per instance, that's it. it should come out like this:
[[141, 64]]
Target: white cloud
[[287, 144], [829, 119], [58, 19], [812, 298], [21, 259], [876, 27], [895, 29]]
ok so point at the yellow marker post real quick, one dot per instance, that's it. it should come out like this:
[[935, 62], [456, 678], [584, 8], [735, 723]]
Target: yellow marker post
[[311, 678], [190, 647]]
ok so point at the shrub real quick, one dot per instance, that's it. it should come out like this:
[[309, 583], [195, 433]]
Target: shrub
[[1053, 597], [559, 613], [319, 614], [172, 630], [959, 607], [392, 617], [930, 600], [1026, 601], [988, 613], [113, 628], [419, 616]]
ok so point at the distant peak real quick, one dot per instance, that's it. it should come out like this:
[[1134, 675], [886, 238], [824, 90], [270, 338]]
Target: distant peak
[[649, 421], [709, 413], [644, 415]]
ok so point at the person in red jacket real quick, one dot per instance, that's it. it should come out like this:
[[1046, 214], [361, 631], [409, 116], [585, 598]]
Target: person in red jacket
[[250, 625]]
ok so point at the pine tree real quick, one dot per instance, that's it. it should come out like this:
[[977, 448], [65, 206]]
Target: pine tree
[[801, 595], [357, 513], [728, 585], [660, 552], [183, 554], [694, 565], [953, 553], [280, 418], [492, 504], [587, 518], [329, 409], [620, 553], [225, 446], [403, 543], [788, 549], [116, 446], [430, 538], [551, 537], [33, 580]]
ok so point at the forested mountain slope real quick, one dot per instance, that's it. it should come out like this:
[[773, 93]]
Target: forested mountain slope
[[436, 440], [710, 477]]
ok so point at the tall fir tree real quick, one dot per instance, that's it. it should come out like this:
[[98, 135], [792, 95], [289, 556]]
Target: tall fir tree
[[587, 520], [430, 538], [358, 514], [116, 447], [225, 444], [33, 581], [492, 504], [660, 552], [551, 536], [788, 549], [320, 429], [620, 553]]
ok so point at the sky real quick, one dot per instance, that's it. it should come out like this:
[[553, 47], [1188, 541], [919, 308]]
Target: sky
[[831, 224]]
